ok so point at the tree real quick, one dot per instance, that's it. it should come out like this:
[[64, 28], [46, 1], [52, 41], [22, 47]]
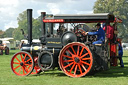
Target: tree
[[36, 30], [22, 22], [118, 8], [17, 34], [2, 34], [9, 32]]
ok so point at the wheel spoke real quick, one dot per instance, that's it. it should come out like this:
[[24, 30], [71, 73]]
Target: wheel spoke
[[17, 59], [16, 67], [85, 58], [67, 56], [20, 70], [80, 69], [78, 50], [85, 63], [28, 60], [28, 64], [83, 67], [23, 71], [81, 51], [73, 50], [21, 57], [84, 55], [70, 52], [26, 69], [16, 63], [68, 61], [24, 57], [72, 67], [68, 65], [75, 70]]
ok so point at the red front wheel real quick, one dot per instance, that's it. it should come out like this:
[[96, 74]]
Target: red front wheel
[[22, 63], [75, 60]]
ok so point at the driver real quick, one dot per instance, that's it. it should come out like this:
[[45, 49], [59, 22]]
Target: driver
[[100, 34]]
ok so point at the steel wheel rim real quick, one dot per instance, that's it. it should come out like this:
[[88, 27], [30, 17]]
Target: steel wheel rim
[[78, 64], [20, 65]]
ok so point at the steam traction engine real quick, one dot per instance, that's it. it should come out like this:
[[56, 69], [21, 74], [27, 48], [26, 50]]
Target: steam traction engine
[[71, 51]]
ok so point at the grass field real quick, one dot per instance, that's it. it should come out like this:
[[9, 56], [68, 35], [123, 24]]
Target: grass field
[[114, 76]]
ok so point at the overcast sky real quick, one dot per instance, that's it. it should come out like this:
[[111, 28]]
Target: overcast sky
[[10, 9]]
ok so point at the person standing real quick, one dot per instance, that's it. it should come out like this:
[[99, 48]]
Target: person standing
[[120, 53], [21, 44]]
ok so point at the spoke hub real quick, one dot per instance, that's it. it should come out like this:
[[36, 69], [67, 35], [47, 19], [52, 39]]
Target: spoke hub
[[77, 60], [21, 64]]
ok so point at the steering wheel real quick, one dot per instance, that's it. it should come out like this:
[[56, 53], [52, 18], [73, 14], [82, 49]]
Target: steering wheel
[[81, 35]]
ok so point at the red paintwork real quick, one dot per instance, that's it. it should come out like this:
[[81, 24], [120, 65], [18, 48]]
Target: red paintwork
[[53, 20], [113, 54], [37, 69], [109, 32]]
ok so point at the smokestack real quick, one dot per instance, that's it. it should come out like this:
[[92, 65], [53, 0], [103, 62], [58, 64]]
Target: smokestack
[[29, 19]]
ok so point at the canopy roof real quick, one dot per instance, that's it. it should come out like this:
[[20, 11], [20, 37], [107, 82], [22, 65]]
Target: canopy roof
[[80, 18]]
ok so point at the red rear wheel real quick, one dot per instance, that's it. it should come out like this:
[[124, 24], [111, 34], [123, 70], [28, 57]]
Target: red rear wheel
[[22, 63], [37, 69], [75, 60]]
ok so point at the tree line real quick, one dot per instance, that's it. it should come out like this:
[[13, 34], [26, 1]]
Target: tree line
[[16, 33], [116, 7]]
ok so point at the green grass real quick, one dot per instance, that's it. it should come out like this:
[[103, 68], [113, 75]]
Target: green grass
[[114, 76]]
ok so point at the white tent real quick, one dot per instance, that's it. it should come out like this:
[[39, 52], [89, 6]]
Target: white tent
[[7, 43]]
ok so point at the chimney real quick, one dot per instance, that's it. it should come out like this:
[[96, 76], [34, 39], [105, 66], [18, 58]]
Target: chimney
[[29, 19]]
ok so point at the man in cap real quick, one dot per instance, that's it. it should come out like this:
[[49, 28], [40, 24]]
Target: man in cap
[[100, 34]]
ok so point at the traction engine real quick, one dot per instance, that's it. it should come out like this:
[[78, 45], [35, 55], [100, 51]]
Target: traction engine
[[3, 47], [69, 50]]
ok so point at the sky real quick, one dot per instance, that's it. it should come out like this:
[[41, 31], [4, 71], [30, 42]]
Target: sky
[[10, 9]]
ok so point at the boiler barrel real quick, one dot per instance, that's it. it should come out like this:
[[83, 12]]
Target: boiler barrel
[[31, 49]]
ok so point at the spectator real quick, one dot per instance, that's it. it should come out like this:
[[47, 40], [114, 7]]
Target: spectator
[[120, 53], [21, 44]]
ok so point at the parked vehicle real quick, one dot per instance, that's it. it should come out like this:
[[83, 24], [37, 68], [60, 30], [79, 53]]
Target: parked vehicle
[[3, 47]]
